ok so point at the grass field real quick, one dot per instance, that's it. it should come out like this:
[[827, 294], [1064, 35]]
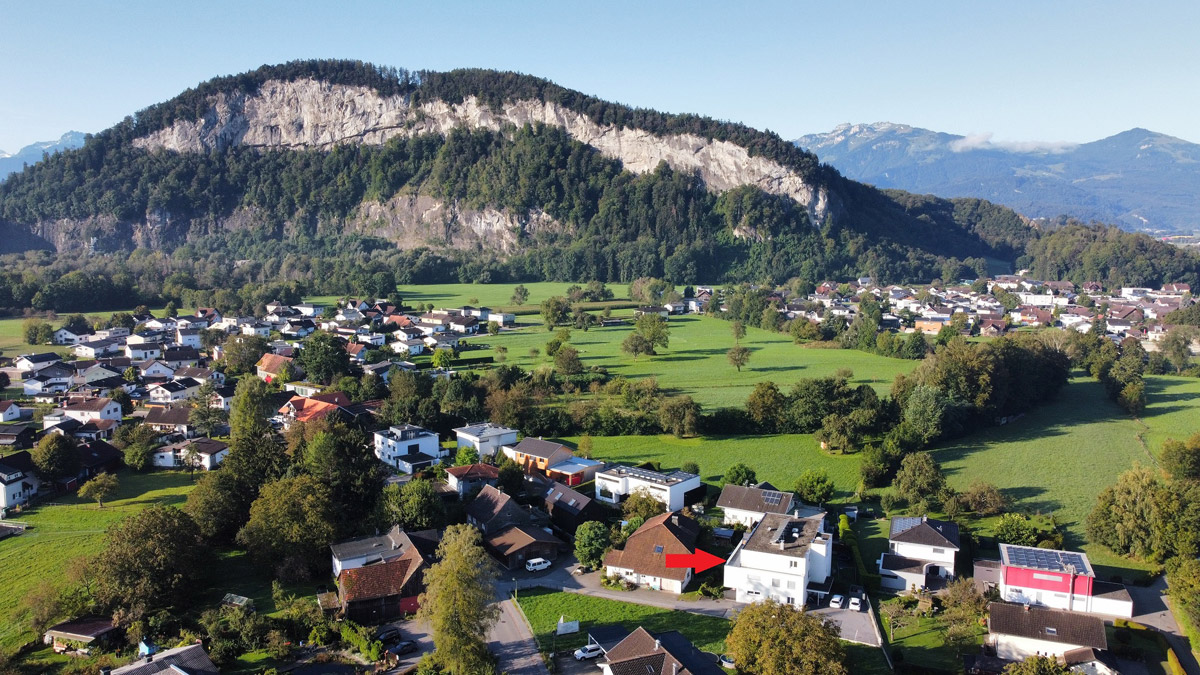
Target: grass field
[[1172, 409], [498, 297], [923, 642], [778, 459], [59, 534], [695, 362], [1054, 460]]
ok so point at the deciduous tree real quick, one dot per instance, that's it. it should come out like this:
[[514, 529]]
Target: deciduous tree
[[919, 477], [739, 474], [291, 526], [150, 561], [815, 486], [591, 542], [99, 488], [459, 601], [414, 506], [56, 456], [738, 356], [769, 638]]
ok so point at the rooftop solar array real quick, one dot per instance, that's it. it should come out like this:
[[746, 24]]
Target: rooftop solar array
[[1046, 559], [771, 497], [650, 476]]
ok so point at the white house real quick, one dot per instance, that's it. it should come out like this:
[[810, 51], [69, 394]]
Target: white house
[[93, 409], [1017, 632], [356, 553], [205, 453], [918, 548], [18, 480], [784, 558], [486, 438], [408, 448], [617, 482], [257, 328], [155, 369], [9, 411], [94, 349], [64, 336], [48, 380], [35, 362], [143, 351], [747, 504], [187, 337], [173, 391]]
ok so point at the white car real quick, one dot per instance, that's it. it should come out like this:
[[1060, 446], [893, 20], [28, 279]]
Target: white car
[[855, 605], [837, 602], [588, 652], [537, 564]]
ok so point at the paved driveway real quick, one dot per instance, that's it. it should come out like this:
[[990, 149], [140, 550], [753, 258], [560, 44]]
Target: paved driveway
[[1152, 610], [513, 644], [856, 626]]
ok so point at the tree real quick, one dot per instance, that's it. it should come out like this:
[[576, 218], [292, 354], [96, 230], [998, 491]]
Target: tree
[[765, 406], [520, 295], [219, 506], [78, 324], [1014, 528], [466, 456], [679, 415], [99, 488], [584, 447], [654, 329], [172, 310], [897, 616], [554, 310], [1176, 345], [291, 526], [642, 504], [1037, 665], [151, 560], [985, 498], [254, 454], [341, 458], [739, 331], [1182, 459], [323, 357], [493, 328], [414, 505], [739, 474], [815, 486], [130, 374], [241, 352], [738, 356], [915, 347], [591, 543], [56, 456], [203, 415], [919, 477], [121, 397], [635, 345], [511, 478], [1126, 514], [36, 331], [459, 601], [567, 362], [443, 358], [769, 638]]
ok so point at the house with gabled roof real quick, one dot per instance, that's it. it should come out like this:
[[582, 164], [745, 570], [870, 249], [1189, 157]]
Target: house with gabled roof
[[568, 509], [643, 560], [1017, 632], [465, 479], [380, 578], [535, 455], [747, 504], [920, 549], [18, 480], [188, 659], [89, 631], [645, 653], [169, 421], [784, 558], [511, 533]]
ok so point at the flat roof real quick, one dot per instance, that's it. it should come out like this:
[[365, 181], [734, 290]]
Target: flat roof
[[1047, 560], [648, 475], [784, 534]]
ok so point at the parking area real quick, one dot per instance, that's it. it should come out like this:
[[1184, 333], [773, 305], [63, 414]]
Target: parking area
[[413, 632], [856, 625]]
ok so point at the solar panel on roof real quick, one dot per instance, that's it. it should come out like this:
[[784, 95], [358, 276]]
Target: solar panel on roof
[[772, 498]]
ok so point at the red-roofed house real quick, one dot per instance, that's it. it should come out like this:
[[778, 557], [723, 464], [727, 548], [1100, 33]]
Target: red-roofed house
[[309, 408], [382, 591]]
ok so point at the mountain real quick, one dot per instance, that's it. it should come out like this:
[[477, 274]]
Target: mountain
[[1139, 179], [332, 177], [31, 154]]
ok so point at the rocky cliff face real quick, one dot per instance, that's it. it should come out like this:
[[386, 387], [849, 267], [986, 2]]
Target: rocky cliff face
[[312, 114], [413, 221]]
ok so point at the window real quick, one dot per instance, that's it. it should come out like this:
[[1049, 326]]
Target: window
[[414, 449], [774, 583], [572, 502], [939, 551], [1051, 631], [793, 563], [791, 585], [658, 549]]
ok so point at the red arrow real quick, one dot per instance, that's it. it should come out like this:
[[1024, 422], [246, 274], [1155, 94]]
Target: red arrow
[[700, 560]]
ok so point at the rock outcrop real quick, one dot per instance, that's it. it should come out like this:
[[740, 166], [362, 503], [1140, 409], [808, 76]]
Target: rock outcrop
[[310, 114]]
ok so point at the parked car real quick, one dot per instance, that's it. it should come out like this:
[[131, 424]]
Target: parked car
[[388, 634], [837, 602], [537, 564], [855, 605], [588, 652], [402, 648]]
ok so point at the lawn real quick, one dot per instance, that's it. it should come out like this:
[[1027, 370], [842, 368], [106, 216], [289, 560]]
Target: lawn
[[922, 642], [60, 533], [695, 362], [498, 297], [1172, 409], [1054, 460], [779, 459], [544, 607]]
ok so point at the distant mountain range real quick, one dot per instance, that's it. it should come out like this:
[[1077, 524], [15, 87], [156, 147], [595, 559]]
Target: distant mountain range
[[1138, 179], [32, 154]]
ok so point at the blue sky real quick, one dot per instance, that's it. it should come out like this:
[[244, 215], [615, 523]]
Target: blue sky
[[1048, 71]]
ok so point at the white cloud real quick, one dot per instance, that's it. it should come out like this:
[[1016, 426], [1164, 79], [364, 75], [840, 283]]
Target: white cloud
[[983, 141]]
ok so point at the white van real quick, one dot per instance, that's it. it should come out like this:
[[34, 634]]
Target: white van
[[537, 564]]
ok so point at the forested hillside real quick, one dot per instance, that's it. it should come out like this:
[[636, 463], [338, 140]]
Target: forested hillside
[[510, 203]]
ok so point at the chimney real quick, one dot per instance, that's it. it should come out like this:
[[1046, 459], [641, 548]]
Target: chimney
[[1026, 608], [675, 668], [782, 544], [657, 645]]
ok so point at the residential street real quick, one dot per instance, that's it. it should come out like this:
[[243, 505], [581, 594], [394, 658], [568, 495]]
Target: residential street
[[1153, 611], [513, 643]]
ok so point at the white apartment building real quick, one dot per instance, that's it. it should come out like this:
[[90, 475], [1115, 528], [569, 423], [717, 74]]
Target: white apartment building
[[785, 557], [486, 438], [617, 482]]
